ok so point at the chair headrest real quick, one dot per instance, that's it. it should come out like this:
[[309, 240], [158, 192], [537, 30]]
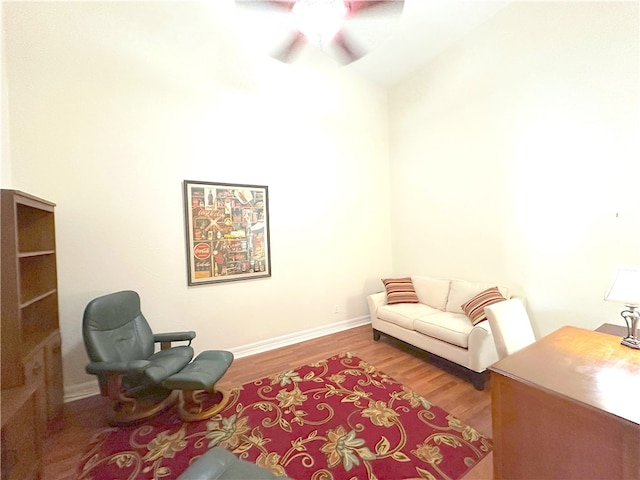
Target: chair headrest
[[112, 311]]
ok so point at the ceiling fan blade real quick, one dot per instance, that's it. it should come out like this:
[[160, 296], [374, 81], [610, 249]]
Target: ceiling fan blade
[[285, 53], [284, 5], [385, 6], [347, 46]]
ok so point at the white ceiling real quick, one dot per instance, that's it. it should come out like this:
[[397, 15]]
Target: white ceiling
[[195, 38], [397, 44]]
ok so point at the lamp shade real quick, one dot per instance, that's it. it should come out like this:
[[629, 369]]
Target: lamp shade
[[625, 287]]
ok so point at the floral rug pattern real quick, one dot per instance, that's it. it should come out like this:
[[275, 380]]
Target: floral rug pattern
[[338, 418]]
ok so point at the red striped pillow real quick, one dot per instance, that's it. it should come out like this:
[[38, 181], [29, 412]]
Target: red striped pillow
[[474, 308], [400, 290]]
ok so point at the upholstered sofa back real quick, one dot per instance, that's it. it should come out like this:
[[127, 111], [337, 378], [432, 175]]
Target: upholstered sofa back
[[449, 295]]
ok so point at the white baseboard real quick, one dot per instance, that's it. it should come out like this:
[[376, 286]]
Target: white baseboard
[[88, 389], [81, 390], [297, 337]]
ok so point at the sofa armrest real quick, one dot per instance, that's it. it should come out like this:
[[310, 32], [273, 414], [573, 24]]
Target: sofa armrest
[[482, 348], [376, 300]]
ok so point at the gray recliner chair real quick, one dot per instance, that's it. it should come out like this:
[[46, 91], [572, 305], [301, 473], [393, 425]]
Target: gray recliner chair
[[220, 464], [121, 349]]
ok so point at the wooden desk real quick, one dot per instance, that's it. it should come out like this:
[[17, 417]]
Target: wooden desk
[[567, 406]]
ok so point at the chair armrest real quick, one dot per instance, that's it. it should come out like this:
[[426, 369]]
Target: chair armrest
[[95, 368], [219, 463], [169, 337]]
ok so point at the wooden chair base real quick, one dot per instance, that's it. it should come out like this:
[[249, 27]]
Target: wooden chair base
[[130, 411], [196, 405]]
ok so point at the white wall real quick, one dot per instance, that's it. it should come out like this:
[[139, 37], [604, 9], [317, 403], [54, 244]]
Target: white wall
[[5, 162], [112, 105], [515, 158], [509, 157]]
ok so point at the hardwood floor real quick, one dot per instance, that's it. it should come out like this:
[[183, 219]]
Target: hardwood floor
[[434, 380]]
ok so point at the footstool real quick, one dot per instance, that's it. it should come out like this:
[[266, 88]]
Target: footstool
[[196, 383]]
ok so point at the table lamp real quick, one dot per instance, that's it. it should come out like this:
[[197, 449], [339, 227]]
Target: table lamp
[[626, 289]]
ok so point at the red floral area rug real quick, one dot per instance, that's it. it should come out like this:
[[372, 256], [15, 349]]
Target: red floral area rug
[[339, 418]]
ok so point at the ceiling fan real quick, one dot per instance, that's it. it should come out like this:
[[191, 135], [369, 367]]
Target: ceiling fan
[[321, 23]]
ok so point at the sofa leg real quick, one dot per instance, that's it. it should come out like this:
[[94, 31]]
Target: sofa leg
[[478, 379], [376, 335]]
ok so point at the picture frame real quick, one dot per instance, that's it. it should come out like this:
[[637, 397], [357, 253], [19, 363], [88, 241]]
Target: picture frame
[[227, 232]]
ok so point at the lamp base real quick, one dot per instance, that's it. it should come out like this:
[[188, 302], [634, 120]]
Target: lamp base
[[631, 342]]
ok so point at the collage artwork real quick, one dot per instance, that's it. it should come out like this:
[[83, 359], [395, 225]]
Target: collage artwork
[[227, 232]]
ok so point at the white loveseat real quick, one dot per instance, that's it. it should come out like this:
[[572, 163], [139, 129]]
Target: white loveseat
[[440, 323]]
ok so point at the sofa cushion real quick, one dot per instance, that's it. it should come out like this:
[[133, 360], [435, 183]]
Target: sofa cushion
[[404, 314], [449, 327], [431, 291], [462, 291], [400, 290], [474, 307]]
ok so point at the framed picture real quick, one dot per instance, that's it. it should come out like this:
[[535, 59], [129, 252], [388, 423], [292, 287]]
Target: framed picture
[[227, 230]]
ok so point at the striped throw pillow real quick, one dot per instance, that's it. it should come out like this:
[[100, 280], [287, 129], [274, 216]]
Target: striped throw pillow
[[400, 290], [474, 308]]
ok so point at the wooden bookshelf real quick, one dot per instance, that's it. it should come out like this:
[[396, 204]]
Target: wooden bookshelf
[[31, 369]]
